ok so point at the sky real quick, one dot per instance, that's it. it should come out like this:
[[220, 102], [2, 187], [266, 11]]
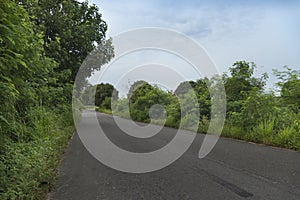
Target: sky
[[264, 32]]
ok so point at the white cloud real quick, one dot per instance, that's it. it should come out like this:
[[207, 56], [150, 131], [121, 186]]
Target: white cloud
[[265, 33]]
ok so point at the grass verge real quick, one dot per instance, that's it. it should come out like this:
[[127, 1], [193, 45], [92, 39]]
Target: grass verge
[[103, 110], [28, 168], [263, 133]]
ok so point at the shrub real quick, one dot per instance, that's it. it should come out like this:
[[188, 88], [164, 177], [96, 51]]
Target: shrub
[[288, 138], [28, 167], [263, 131]]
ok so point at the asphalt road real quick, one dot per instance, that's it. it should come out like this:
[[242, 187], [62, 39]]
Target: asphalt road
[[233, 170]]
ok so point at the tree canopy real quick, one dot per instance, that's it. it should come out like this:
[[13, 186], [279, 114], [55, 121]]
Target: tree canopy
[[42, 45]]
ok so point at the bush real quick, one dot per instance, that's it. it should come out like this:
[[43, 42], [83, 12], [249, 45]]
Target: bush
[[28, 167], [233, 131], [263, 131], [288, 138], [203, 125], [252, 114]]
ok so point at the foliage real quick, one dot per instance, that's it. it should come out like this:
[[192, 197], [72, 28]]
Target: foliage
[[28, 169], [120, 108], [103, 110], [142, 96], [42, 46], [265, 117], [201, 90], [71, 32], [103, 95], [241, 83], [252, 114], [289, 84]]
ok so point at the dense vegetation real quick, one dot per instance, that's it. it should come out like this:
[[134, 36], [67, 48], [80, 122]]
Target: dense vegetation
[[42, 46], [252, 113]]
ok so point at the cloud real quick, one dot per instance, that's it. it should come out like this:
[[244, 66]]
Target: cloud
[[265, 32]]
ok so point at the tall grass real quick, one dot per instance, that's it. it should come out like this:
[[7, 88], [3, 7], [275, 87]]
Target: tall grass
[[263, 132], [28, 164], [261, 121], [267, 131]]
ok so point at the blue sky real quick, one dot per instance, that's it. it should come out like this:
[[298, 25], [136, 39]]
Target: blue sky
[[264, 32]]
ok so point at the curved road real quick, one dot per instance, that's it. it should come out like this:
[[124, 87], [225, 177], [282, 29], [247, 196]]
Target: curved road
[[233, 170]]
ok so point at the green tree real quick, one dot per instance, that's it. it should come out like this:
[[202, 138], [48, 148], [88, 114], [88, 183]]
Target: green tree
[[71, 32], [184, 87], [104, 93], [139, 101], [200, 88], [88, 95], [42, 44], [24, 68], [241, 83], [142, 96], [289, 84]]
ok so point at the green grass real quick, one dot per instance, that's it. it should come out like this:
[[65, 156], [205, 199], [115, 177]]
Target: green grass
[[232, 132], [89, 107], [103, 110], [28, 166], [288, 138], [264, 132]]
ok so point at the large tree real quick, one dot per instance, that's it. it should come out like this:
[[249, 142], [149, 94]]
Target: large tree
[[241, 83], [23, 68], [142, 96], [289, 84], [71, 31], [105, 92], [200, 88]]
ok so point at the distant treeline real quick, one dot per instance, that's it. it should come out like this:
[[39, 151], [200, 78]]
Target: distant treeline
[[251, 114]]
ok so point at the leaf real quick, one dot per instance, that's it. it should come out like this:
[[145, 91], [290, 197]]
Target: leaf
[[3, 119], [23, 64]]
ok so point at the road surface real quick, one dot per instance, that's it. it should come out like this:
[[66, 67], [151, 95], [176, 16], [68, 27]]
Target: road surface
[[233, 170]]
